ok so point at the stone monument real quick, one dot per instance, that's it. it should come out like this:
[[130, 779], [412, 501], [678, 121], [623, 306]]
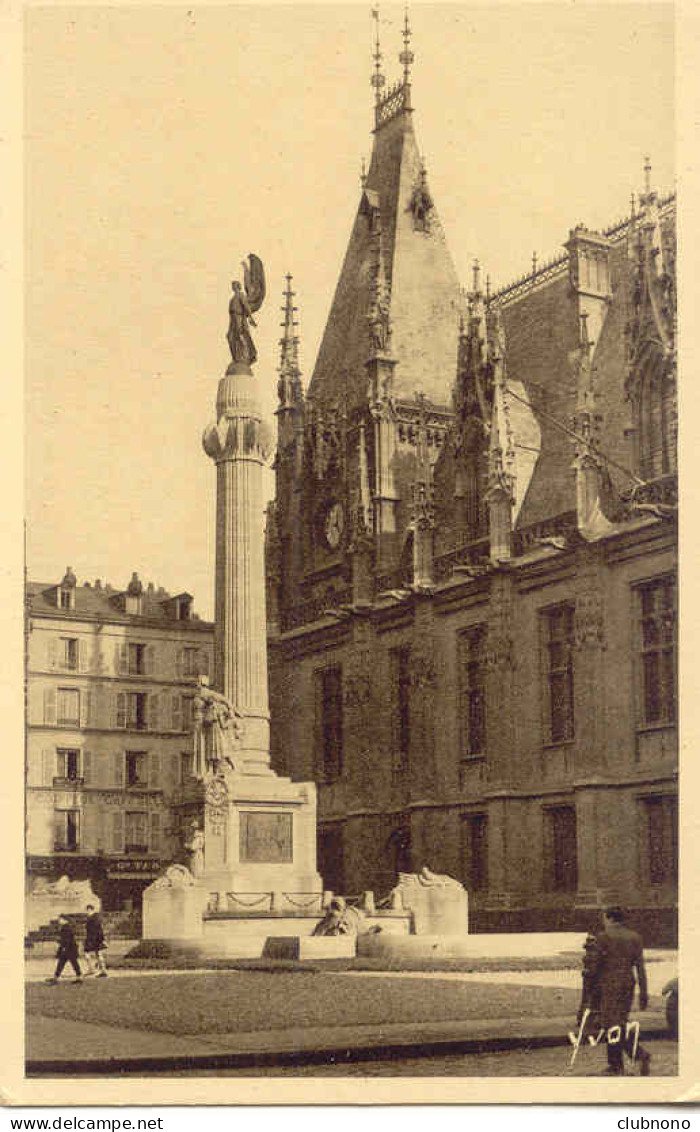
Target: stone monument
[[246, 830]]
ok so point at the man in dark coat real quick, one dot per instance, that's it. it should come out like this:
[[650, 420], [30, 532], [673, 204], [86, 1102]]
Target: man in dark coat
[[615, 964], [95, 944], [67, 951]]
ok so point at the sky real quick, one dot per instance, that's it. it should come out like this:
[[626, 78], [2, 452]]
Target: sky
[[165, 143]]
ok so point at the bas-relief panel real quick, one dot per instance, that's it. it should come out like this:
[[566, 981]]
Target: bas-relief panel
[[266, 838]]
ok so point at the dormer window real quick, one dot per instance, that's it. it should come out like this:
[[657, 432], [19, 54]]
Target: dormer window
[[178, 608], [133, 596], [66, 590]]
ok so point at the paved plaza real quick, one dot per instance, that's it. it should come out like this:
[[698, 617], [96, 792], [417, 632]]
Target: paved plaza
[[312, 1021]]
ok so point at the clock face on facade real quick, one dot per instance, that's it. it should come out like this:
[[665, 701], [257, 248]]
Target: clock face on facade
[[333, 525]]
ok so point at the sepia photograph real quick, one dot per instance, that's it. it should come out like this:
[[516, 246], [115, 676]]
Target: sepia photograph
[[350, 550]]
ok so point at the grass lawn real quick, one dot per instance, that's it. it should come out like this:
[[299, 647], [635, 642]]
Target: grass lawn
[[220, 1002], [172, 961]]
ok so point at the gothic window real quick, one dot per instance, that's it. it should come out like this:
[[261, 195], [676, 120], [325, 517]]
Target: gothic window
[[474, 851], [472, 692], [329, 723], [330, 857], [186, 766], [655, 416], [660, 840], [657, 646], [558, 633], [560, 855], [400, 661]]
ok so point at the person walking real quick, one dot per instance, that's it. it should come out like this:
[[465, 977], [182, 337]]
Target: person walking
[[67, 951], [95, 944], [615, 964]]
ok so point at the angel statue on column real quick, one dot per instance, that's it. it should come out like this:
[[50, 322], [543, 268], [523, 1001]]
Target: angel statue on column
[[242, 308]]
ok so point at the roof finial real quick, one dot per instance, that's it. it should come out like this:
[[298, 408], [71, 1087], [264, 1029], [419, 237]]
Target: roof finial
[[632, 205], [406, 57], [534, 263], [289, 342], [647, 175], [378, 79], [476, 271], [363, 174], [488, 288]]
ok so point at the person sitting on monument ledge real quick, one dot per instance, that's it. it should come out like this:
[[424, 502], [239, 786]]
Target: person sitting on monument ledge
[[217, 731]]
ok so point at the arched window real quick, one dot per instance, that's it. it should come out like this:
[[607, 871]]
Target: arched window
[[656, 421]]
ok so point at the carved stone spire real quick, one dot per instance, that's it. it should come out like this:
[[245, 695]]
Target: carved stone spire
[[378, 80], [406, 58], [500, 492], [289, 389], [587, 465], [423, 509], [378, 313]]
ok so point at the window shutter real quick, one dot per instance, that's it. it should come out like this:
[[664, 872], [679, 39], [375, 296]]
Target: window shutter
[[49, 765], [118, 768], [102, 715], [59, 830], [52, 652], [123, 659], [100, 771], [82, 655], [177, 712], [86, 704], [87, 768], [179, 662], [154, 845], [154, 771], [117, 832], [35, 769], [50, 706], [154, 712], [88, 829], [203, 662], [150, 660], [120, 709]]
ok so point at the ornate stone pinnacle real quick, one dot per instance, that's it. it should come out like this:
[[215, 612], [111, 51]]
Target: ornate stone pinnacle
[[377, 79], [406, 58], [289, 342]]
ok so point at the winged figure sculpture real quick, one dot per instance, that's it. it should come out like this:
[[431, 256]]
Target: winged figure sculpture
[[245, 300]]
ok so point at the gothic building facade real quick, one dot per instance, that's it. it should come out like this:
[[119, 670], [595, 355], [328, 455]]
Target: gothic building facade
[[472, 561], [110, 677]]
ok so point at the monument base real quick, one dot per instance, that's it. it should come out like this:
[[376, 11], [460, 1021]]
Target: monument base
[[252, 845], [174, 913]]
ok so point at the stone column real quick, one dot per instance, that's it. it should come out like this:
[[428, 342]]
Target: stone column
[[238, 443]]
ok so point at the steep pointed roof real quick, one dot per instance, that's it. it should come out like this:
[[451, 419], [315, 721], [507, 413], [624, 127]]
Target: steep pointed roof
[[423, 289]]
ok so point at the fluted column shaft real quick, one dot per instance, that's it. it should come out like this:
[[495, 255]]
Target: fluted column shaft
[[237, 443]]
